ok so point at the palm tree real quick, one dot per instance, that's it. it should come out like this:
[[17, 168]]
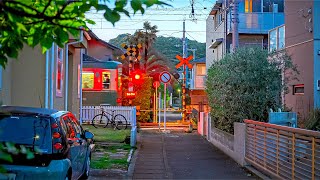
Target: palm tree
[[145, 37]]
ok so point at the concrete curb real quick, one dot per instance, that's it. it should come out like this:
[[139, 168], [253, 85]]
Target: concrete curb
[[133, 160], [257, 172]]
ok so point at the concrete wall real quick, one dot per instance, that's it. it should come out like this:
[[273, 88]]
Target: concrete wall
[[300, 46], [5, 92], [209, 37], [23, 79], [232, 145], [73, 95]]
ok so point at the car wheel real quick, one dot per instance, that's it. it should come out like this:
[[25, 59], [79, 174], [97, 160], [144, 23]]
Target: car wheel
[[87, 169]]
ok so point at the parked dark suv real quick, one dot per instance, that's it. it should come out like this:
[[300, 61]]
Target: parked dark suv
[[62, 149]]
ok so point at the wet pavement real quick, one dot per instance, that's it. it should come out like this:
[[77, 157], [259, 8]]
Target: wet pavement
[[179, 155]]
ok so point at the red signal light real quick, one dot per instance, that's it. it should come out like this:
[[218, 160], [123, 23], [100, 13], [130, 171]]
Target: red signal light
[[137, 76]]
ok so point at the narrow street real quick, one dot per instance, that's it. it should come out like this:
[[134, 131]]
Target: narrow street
[[183, 156]]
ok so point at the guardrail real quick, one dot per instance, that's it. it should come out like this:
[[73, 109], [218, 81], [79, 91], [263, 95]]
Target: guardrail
[[283, 152]]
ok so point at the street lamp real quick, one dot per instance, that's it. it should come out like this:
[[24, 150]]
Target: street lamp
[[179, 93]]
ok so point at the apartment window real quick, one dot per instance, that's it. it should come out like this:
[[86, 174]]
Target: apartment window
[[218, 19], [298, 89], [201, 70], [281, 40], [59, 71], [252, 6], [273, 40], [273, 5], [87, 80]]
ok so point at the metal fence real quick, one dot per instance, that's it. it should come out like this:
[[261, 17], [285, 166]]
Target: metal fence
[[88, 112], [284, 152], [129, 112]]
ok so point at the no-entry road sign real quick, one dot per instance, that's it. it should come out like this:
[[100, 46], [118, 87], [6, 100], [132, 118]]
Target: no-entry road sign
[[165, 77]]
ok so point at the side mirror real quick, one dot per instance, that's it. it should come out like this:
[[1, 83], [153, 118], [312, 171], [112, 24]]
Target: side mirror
[[88, 135]]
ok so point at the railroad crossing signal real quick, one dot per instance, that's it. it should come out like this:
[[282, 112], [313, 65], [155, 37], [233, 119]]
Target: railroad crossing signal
[[184, 61], [132, 50]]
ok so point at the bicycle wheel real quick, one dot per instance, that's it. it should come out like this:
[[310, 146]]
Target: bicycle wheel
[[120, 122], [100, 120]]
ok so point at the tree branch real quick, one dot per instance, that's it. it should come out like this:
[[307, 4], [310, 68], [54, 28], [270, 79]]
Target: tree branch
[[24, 5], [46, 7]]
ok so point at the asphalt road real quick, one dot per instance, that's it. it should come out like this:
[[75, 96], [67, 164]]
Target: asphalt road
[[171, 116]]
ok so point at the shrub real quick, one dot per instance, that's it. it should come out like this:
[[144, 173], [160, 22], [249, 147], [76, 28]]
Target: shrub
[[313, 120], [245, 85]]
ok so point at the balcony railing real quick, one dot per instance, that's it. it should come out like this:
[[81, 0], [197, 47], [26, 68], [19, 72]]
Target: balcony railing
[[256, 23]]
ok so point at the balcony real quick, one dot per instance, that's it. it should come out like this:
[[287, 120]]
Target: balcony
[[198, 82], [256, 23]]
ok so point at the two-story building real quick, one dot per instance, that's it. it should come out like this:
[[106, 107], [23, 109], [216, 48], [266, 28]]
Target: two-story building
[[197, 92], [300, 37], [101, 77], [255, 19]]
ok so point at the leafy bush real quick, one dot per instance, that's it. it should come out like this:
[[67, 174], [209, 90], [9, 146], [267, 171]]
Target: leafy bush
[[245, 85], [313, 120]]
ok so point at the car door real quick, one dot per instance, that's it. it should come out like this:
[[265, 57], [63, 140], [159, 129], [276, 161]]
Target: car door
[[82, 143], [75, 147]]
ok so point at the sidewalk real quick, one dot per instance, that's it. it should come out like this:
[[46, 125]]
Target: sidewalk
[[182, 156]]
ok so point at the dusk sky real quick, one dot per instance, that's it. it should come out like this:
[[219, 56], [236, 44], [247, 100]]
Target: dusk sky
[[168, 19]]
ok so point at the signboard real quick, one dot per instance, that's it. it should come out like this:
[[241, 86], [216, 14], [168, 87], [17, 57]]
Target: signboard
[[165, 77], [184, 61], [156, 84], [130, 95]]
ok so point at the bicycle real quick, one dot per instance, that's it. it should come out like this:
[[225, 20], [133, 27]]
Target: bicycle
[[117, 121]]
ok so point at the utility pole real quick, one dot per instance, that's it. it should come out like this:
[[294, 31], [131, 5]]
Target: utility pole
[[235, 21], [191, 71], [184, 106], [146, 50]]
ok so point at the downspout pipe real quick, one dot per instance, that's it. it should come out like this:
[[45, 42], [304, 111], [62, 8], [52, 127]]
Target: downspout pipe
[[52, 75], [80, 104], [67, 72], [46, 82]]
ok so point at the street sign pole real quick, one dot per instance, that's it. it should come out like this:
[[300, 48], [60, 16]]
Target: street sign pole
[[164, 107], [159, 111], [156, 104]]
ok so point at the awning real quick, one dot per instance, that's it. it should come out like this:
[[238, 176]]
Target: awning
[[216, 43]]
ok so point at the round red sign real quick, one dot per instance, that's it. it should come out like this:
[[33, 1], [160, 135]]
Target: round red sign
[[156, 84]]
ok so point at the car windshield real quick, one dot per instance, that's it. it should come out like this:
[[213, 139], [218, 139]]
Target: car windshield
[[30, 131]]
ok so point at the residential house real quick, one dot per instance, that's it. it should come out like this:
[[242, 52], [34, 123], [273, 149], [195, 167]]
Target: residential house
[[300, 37], [49, 80], [101, 78], [101, 82], [255, 19], [197, 92]]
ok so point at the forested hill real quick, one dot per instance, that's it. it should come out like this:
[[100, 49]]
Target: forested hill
[[168, 46]]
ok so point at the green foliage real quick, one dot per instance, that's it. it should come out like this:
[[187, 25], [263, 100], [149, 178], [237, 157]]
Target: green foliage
[[143, 97], [245, 85], [167, 46], [107, 134], [313, 120], [45, 21]]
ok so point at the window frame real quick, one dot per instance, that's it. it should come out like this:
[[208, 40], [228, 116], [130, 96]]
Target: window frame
[[294, 87], [59, 61]]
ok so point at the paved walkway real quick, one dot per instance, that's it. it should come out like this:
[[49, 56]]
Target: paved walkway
[[182, 156]]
